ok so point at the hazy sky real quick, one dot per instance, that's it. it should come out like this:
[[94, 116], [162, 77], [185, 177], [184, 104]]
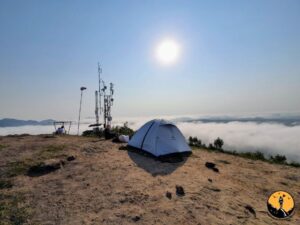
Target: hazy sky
[[236, 56]]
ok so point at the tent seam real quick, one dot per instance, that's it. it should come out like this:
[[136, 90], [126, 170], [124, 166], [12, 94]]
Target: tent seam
[[146, 134]]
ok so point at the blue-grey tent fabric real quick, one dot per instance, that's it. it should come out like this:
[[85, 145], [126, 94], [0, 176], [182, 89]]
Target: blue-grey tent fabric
[[159, 137]]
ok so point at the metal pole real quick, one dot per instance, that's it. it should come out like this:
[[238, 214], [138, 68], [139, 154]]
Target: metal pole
[[79, 113], [69, 127], [104, 111], [81, 89]]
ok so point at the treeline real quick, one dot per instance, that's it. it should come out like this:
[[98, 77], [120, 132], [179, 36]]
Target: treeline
[[116, 130], [124, 130], [217, 146]]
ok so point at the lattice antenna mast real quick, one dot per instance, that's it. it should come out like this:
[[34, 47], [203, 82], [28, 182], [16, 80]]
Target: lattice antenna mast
[[108, 102], [107, 99], [104, 103], [96, 107]]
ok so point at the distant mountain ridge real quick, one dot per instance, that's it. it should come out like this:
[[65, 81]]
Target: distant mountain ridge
[[8, 122], [288, 121]]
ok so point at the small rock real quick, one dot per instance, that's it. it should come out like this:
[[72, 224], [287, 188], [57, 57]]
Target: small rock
[[136, 218], [250, 209], [283, 183], [70, 158], [179, 191], [169, 195], [215, 169], [215, 189], [210, 165], [210, 180]]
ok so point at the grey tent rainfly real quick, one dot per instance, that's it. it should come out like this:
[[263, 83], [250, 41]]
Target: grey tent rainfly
[[159, 137]]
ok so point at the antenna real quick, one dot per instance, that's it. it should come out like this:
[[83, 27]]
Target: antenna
[[96, 107], [107, 100], [99, 90], [111, 89]]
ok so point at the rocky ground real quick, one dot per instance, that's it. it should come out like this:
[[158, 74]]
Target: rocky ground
[[78, 180]]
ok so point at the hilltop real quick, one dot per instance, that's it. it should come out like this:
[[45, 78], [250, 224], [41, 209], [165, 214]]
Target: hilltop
[[83, 180]]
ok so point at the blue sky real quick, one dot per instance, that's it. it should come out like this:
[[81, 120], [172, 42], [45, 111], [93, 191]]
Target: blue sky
[[237, 57]]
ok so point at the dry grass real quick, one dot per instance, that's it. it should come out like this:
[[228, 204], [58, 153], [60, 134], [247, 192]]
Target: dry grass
[[106, 184]]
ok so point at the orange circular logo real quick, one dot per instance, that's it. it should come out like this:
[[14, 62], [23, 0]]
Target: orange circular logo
[[281, 204]]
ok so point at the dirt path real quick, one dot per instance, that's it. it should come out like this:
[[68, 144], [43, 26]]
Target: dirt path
[[106, 185]]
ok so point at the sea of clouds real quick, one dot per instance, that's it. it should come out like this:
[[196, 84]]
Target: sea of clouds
[[269, 138]]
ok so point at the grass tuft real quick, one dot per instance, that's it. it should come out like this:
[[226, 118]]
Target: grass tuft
[[21, 167], [3, 146], [5, 184], [12, 211], [17, 168], [50, 151]]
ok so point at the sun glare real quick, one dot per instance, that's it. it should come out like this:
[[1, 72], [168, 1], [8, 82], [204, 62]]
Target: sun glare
[[167, 51]]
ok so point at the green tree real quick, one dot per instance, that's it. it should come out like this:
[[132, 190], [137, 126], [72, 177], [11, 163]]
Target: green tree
[[218, 143], [191, 141], [280, 159]]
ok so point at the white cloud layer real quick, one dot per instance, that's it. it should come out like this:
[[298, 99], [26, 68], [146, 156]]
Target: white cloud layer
[[270, 138], [266, 137]]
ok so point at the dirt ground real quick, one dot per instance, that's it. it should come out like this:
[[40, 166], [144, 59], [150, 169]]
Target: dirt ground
[[106, 184]]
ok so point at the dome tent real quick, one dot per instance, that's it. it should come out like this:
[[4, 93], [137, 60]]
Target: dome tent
[[159, 137]]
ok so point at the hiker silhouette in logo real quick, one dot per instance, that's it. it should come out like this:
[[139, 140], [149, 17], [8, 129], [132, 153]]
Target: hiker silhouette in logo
[[281, 212], [281, 204]]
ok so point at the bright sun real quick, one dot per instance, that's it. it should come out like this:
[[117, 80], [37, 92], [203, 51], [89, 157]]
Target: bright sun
[[167, 51]]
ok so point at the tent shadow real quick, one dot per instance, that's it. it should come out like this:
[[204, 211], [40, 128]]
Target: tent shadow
[[156, 165]]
